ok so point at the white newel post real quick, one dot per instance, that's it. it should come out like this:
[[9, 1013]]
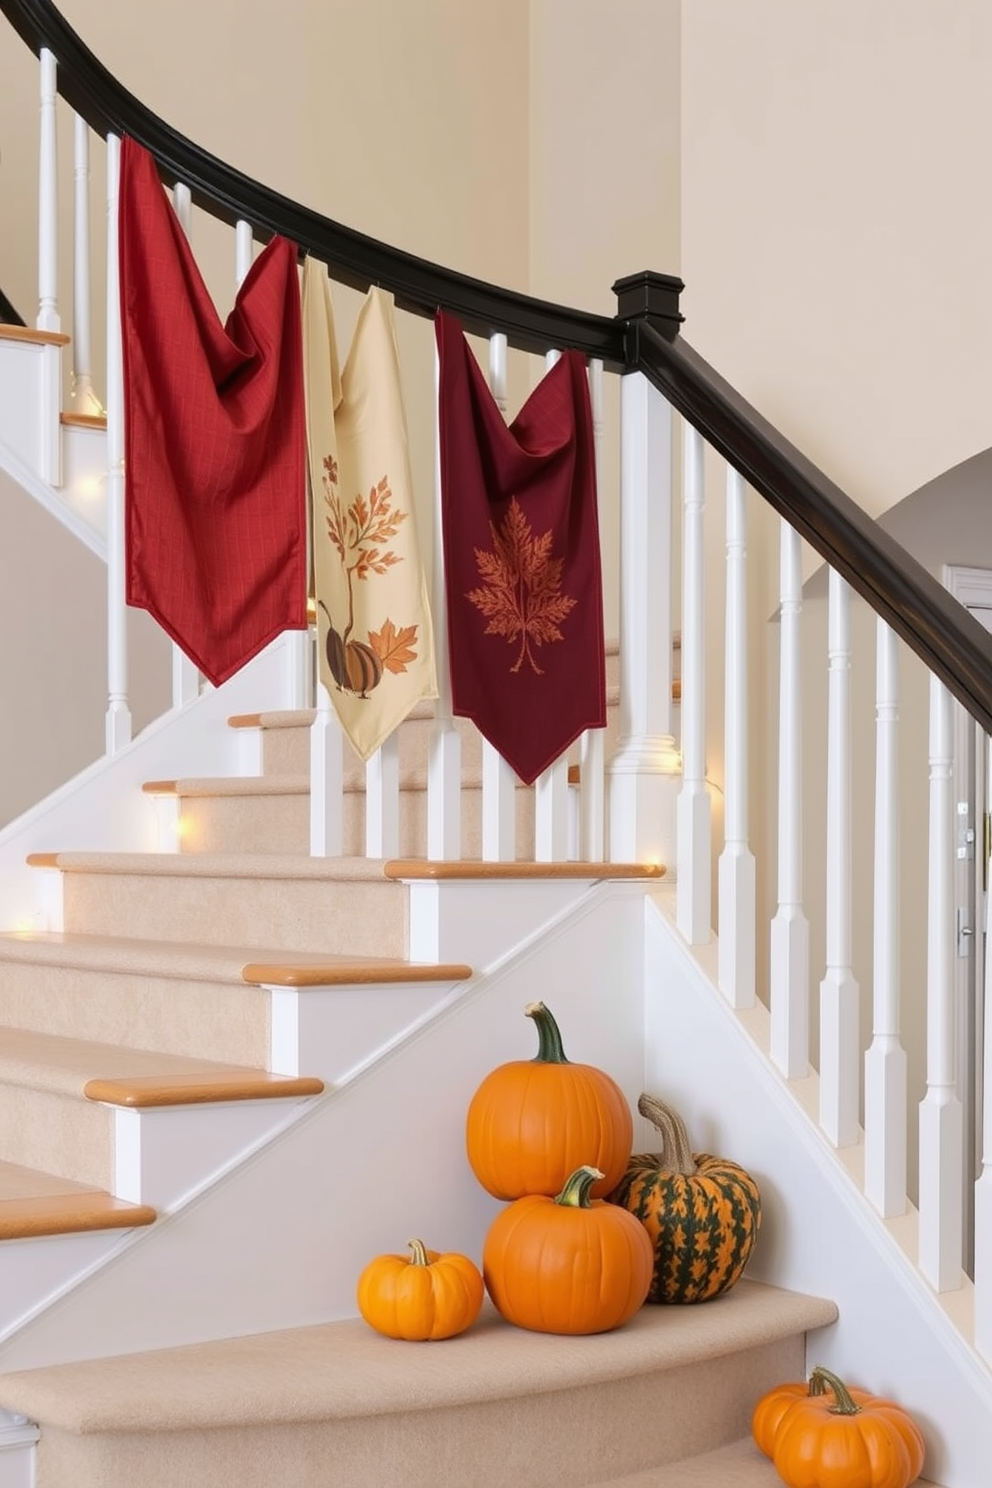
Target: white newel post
[[983, 1186], [444, 759], [694, 908], [186, 678], [499, 781], [789, 947], [941, 1118], [644, 772], [592, 747], [551, 820], [118, 710], [84, 398], [840, 1039], [885, 1060], [736, 876]]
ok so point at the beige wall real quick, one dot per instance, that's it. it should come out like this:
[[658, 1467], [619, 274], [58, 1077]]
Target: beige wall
[[836, 233]]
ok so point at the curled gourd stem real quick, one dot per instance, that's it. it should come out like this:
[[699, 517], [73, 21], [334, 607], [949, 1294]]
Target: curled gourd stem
[[420, 1256], [676, 1154], [575, 1194], [549, 1049], [822, 1379]]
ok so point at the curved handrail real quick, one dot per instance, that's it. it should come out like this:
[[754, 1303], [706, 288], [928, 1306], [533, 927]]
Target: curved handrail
[[949, 639], [940, 630]]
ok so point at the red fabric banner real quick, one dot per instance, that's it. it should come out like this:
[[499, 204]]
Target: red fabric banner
[[215, 439], [521, 557]]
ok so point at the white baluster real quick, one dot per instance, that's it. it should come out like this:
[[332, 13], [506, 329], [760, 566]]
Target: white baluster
[[592, 746], [941, 1118], [84, 398], [243, 251], [48, 187], [694, 908], [735, 883], [326, 780], [444, 758], [118, 711], [840, 1056], [552, 821], [789, 948], [187, 680], [885, 1060], [382, 800], [644, 773], [983, 1186], [499, 782]]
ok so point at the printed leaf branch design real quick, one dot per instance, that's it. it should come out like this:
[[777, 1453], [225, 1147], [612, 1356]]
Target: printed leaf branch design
[[520, 594], [359, 533]]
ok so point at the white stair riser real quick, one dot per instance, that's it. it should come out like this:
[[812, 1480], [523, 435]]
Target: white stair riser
[[146, 1156], [328, 1032], [31, 385]]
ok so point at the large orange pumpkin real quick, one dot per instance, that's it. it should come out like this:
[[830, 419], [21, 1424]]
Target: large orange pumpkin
[[422, 1296], [848, 1436], [532, 1122], [567, 1264]]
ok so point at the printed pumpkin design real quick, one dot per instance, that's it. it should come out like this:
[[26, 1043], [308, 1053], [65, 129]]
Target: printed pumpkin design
[[359, 533], [701, 1213]]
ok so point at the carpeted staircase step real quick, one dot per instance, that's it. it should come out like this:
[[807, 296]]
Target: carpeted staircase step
[[57, 1097], [207, 1001], [498, 1407], [34, 1203], [739, 1465]]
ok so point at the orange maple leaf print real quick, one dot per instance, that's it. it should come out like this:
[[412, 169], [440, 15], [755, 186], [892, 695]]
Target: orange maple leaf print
[[521, 582], [394, 648]]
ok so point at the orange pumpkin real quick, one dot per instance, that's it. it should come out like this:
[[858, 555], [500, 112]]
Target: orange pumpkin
[[567, 1264], [533, 1121], [426, 1295], [817, 1440]]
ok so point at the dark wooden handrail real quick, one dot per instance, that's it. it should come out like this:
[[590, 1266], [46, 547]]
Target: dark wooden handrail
[[948, 639]]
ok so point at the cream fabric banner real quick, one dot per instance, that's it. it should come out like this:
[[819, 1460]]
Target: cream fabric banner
[[373, 618]]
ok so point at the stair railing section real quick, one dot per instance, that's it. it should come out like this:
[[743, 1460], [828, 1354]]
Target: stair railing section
[[866, 1095]]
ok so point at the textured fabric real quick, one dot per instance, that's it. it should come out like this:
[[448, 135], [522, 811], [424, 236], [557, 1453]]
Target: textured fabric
[[373, 617], [521, 556], [215, 504]]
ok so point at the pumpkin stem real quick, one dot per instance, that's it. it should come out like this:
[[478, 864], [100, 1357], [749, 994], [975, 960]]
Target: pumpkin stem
[[419, 1257], [575, 1194], [676, 1155], [549, 1049], [822, 1379]]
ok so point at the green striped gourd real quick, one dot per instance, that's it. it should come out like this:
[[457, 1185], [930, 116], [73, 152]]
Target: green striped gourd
[[702, 1213]]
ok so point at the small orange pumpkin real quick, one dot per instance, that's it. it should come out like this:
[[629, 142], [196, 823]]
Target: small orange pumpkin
[[849, 1436], [533, 1121], [567, 1264], [427, 1295]]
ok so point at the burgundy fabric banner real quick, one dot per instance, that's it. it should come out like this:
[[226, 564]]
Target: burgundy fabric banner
[[521, 557], [214, 434]]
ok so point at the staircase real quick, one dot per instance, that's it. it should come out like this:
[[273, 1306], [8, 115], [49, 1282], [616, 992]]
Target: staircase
[[238, 1036]]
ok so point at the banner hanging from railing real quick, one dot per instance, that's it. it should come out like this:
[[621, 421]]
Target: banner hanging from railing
[[215, 505], [373, 616], [521, 557]]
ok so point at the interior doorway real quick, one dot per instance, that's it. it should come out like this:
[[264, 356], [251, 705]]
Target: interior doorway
[[973, 588]]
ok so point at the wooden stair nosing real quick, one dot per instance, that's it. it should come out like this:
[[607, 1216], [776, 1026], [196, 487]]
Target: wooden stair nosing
[[185, 962], [70, 1213], [32, 336], [215, 865], [83, 420], [138, 1078], [467, 869]]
